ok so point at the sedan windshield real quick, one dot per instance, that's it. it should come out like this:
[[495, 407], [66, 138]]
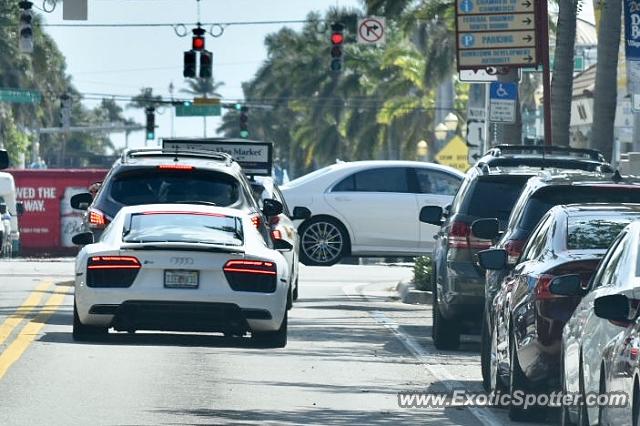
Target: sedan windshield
[[183, 227]]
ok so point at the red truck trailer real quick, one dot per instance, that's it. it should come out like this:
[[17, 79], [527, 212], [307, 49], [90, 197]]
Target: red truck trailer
[[49, 222]]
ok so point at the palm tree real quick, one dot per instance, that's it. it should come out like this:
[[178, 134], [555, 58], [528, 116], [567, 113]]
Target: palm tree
[[606, 88], [562, 84], [204, 88]]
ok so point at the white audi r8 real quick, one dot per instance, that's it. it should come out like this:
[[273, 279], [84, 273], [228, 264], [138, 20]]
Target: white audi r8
[[178, 267]]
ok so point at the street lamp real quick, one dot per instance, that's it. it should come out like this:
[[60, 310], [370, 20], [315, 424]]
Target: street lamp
[[422, 149], [441, 132], [451, 121]]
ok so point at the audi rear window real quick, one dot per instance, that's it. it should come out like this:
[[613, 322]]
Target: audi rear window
[[154, 186], [596, 232], [183, 227], [492, 197], [546, 198]]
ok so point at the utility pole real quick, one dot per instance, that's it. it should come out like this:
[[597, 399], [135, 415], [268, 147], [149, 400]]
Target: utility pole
[[173, 111]]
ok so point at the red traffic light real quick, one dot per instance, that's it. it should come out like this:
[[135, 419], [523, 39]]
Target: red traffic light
[[197, 43], [337, 38]]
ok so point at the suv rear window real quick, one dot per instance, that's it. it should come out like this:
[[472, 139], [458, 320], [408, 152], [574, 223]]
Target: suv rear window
[[151, 186], [495, 197], [587, 233], [544, 199]]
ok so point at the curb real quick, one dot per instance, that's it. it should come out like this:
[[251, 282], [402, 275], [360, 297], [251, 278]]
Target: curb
[[411, 296]]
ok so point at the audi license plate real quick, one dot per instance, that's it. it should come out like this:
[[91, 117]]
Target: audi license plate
[[180, 279]]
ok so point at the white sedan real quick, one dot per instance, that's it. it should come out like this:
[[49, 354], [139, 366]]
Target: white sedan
[[369, 208], [182, 268]]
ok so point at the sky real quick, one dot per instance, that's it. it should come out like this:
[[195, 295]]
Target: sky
[[120, 61]]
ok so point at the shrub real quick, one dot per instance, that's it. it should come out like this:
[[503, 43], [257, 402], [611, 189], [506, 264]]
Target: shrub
[[422, 271]]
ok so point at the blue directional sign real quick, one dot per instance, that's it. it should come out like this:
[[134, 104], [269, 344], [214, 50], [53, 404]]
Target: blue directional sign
[[503, 91], [468, 40]]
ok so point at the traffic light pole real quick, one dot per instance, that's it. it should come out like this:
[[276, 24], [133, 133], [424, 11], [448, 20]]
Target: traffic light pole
[[546, 65]]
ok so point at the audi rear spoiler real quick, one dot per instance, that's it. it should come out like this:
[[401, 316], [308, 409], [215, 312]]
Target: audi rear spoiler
[[215, 248]]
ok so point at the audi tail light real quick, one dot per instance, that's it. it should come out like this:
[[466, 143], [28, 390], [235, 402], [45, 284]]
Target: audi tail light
[[460, 237], [251, 275], [112, 271], [97, 219], [256, 220], [514, 250]]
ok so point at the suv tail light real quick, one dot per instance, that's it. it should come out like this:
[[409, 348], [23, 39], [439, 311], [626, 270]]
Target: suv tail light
[[183, 167], [256, 220], [460, 237], [112, 271], [513, 249], [251, 275], [584, 268], [541, 289], [97, 219], [276, 234]]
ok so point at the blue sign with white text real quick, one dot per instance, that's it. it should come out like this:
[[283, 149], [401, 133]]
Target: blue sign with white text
[[632, 29], [503, 91]]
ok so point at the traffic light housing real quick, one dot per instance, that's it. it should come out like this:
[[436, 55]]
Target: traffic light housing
[[151, 123], [25, 30], [197, 42], [65, 111], [244, 122], [206, 59], [337, 41], [189, 70]]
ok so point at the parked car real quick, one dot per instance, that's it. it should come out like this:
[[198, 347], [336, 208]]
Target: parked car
[[528, 315], [281, 226], [539, 195], [180, 267], [10, 213], [597, 345], [369, 208]]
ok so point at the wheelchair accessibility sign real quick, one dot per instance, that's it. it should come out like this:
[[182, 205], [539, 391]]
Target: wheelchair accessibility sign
[[503, 98]]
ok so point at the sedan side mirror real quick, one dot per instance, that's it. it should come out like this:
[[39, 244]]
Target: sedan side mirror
[[301, 213], [431, 215], [4, 159], [271, 207], [487, 229], [81, 201], [614, 307], [567, 285], [282, 245], [493, 259], [83, 239]]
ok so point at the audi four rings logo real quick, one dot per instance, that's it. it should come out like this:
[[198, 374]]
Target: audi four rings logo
[[182, 261]]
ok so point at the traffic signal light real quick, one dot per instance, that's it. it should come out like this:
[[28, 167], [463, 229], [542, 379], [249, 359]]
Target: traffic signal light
[[337, 41], [206, 59], [197, 42], [65, 111], [25, 30], [189, 70], [151, 123], [244, 122]]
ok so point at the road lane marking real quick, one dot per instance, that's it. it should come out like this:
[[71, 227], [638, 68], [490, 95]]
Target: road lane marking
[[29, 304], [30, 331], [484, 415]]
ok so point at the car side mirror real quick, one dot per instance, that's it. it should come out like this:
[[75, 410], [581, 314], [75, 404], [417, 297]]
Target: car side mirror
[[4, 159], [81, 201], [487, 229], [282, 245], [83, 239], [446, 212], [431, 215], [19, 208], [301, 213], [567, 285], [493, 259], [614, 307], [271, 207]]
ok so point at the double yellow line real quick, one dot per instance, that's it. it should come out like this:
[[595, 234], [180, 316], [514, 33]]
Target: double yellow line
[[32, 328]]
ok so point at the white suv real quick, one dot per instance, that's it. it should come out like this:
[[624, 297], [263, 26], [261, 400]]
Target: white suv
[[369, 208]]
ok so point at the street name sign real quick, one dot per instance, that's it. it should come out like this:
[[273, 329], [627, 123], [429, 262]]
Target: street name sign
[[502, 102], [194, 110], [496, 33], [19, 96], [206, 101]]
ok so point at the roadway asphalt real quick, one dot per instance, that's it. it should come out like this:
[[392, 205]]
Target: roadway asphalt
[[351, 349]]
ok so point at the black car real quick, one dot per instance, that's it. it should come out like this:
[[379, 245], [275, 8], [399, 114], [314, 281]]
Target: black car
[[539, 195], [150, 176], [489, 190]]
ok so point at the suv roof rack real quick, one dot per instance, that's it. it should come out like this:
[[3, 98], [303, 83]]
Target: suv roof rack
[[543, 163], [501, 150], [160, 152]]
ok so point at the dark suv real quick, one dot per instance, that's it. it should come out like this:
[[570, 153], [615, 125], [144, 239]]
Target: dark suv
[[150, 176], [539, 195], [489, 190]]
